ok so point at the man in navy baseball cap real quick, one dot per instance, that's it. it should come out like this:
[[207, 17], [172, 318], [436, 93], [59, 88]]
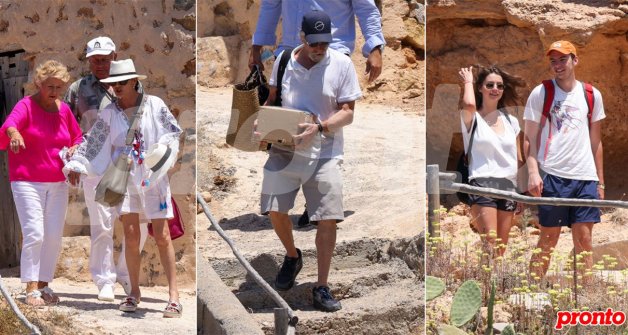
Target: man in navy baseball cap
[[316, 26]]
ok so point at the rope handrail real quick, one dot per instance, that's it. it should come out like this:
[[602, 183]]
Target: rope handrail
[[447, 183], [34, 330], [293, 319]]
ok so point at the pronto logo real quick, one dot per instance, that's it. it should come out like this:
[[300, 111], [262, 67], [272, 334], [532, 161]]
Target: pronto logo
[[608, 318]]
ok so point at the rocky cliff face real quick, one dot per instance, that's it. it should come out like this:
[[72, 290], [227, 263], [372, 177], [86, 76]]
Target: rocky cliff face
[[160, 37], [514, 35], [225, 29]]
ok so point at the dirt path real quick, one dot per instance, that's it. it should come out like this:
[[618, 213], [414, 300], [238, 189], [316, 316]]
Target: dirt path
[[383, 179], [80, 312]]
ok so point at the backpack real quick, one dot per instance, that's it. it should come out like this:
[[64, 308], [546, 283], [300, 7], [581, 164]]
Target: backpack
[[283, 62], [547, 105], [463, 162]]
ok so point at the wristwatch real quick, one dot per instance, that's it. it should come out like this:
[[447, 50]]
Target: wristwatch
[[380, 47], [602, 186], [320, 125]]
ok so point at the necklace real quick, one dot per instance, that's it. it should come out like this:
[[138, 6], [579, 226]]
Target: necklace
[[491, 118]]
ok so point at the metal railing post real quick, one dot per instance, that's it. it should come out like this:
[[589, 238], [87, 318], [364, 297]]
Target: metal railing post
[[433, 199], [282, 322]]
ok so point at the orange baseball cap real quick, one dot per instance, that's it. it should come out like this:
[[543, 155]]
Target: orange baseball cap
[[564, 47]]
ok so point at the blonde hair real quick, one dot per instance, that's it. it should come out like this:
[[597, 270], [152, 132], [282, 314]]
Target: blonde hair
[[51, 69]]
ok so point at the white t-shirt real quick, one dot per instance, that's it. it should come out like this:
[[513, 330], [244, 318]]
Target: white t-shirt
[[319, 90], [492, 155], [568, 154]]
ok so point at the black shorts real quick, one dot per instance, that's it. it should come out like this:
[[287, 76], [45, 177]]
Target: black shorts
[[502, 184]]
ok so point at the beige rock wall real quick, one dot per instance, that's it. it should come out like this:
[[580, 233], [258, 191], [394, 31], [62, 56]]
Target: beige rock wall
[[225, 29], [160, 37], [514, 34]]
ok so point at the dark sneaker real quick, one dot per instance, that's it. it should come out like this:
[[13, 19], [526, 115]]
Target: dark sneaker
[[324, 301], [288, 272]]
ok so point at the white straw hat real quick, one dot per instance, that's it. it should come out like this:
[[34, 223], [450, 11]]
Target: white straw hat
[[122, 70], [159, 159]]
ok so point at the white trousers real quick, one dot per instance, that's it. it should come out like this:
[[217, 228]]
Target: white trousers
[[101, 219], [41, 208]]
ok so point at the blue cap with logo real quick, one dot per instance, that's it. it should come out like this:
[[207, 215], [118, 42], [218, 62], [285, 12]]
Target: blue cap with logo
[[317, 27]]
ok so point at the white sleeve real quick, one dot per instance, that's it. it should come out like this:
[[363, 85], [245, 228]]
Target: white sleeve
[[598, 106], [534, 105], [166, 130], [273, 75], [349, 88], [515, 124], [93, 156]]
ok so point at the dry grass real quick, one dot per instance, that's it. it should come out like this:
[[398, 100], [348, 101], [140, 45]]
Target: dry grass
[[9, 323], [48, 320], [457, 256]]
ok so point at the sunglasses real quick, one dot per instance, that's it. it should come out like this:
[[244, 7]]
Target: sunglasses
[[121, 83], [318, 45], [491, 85]]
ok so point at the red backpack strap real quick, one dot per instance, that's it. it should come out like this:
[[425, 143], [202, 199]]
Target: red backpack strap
[[590, 98], [547, 104]]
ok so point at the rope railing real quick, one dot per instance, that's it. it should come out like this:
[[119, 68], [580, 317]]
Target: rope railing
[[285, 320], [34, 330], [447, 183]]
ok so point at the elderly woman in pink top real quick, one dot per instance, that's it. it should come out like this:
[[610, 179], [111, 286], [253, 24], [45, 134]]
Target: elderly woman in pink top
[[37, 129]]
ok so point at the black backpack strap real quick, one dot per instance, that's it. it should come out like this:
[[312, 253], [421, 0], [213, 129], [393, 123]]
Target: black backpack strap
[[506, 115], [283, 63], [468, 155]]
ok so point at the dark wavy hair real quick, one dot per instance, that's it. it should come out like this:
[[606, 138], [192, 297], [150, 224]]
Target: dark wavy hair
[[510, 97]]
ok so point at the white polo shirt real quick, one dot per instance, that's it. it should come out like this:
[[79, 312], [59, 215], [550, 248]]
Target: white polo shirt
[[319, 90]]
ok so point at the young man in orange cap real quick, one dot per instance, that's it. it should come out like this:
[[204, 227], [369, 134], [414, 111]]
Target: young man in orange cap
[[565, 156]]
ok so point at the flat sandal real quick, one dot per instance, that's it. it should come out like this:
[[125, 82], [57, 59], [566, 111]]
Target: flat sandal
[[129, 304], [173, 310]]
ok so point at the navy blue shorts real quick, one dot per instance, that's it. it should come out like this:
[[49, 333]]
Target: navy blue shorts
[[560, 216], [497, 183]]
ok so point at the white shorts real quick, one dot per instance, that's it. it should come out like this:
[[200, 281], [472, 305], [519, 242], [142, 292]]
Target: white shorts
[[152, 203]]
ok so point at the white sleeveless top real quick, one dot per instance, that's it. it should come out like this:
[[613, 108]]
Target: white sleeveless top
[[492, 155]]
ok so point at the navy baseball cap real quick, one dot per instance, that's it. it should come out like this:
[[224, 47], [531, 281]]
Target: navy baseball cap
[[317, 27]]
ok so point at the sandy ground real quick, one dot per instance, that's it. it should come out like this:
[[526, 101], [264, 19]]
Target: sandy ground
[[88, 315], [384, 179]]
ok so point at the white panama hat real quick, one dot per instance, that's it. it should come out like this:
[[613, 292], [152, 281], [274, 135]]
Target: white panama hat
[[159, 159], [122, 70]]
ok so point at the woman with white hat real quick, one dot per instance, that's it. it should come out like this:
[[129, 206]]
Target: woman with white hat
[[153, 151]]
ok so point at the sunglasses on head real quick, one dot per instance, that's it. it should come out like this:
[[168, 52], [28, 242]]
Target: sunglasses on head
[[491, 85], [121, 83]]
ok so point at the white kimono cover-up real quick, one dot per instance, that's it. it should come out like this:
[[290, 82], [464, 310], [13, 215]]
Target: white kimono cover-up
[[106, 141]]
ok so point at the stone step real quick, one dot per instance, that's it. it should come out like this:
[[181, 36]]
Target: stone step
[[377, 281], [344, 283], [393, 309]]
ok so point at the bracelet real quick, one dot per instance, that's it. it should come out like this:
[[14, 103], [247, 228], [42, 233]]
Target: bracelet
[[602, 186]]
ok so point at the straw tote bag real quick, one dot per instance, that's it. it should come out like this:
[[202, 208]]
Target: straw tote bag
[[247, 97], [112, 186]]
